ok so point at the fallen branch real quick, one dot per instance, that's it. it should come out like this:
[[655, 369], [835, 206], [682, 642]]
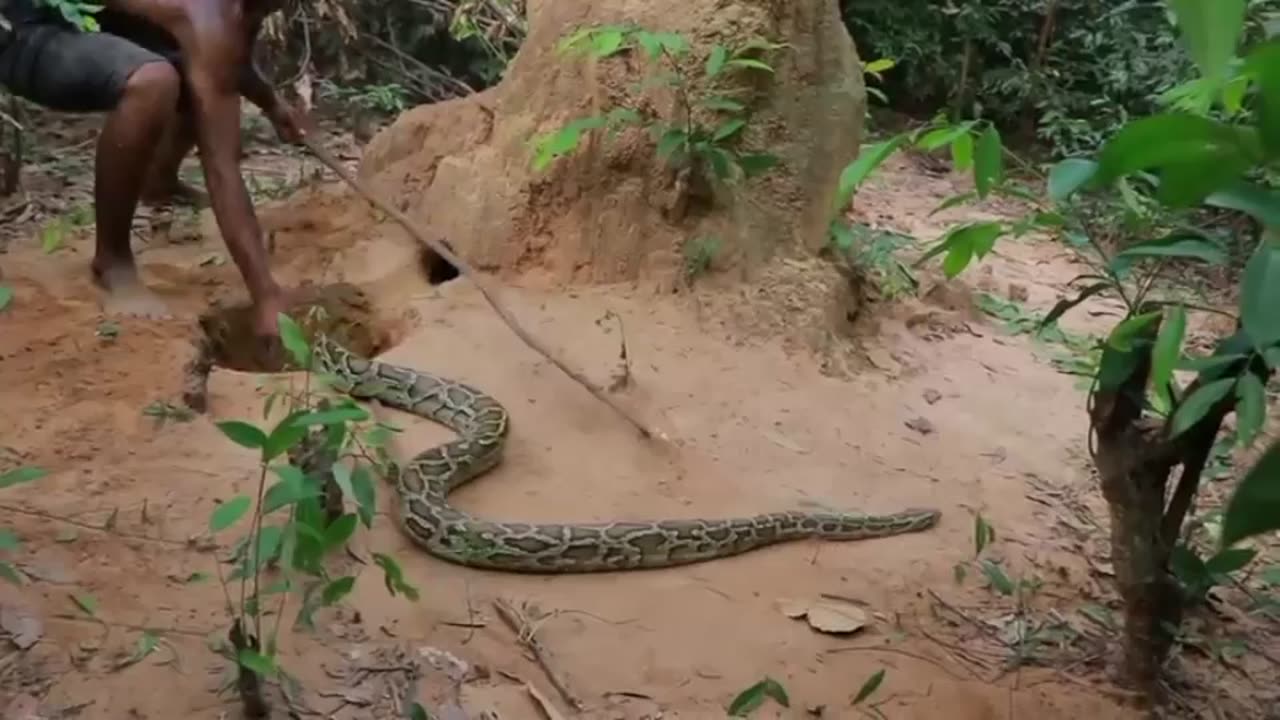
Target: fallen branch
[[439, 248], [526, 633]]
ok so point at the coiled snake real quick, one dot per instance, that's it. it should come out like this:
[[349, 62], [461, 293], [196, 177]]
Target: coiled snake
[[424, 483]]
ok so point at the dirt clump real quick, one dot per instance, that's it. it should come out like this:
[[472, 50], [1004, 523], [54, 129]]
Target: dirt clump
[[610, 212]]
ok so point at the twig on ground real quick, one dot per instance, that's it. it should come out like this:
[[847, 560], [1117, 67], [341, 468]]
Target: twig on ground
[[97, 528], [438, 247], [907, 654], [523, 628]]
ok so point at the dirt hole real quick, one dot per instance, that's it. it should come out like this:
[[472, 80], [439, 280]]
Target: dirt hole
[[436, 269], [343, 312]]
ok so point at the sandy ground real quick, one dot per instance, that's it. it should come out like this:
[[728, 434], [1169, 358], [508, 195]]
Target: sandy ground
[[947, 410]]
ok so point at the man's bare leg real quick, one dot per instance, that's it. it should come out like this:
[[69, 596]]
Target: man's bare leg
[[125, 151], [163, 185]]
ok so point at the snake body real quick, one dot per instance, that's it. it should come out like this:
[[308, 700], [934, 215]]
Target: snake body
[[481, 422]]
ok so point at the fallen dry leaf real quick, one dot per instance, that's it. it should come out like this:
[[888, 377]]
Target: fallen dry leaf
[[794, 608], [826, 615], [23, 626], [834, 616]]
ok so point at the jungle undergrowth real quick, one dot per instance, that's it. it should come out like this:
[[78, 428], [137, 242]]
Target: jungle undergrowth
[[699, 133], [325, 446]]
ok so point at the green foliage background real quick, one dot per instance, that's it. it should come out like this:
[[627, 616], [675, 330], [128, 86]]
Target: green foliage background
[[1103, 62]]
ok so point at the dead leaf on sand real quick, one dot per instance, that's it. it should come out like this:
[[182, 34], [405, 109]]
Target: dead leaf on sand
[[828, 615]]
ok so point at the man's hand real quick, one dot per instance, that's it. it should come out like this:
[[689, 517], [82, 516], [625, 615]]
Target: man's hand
[[291, 124]]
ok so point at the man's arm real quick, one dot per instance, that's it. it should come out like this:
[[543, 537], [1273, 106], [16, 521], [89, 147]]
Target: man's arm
[[214, 43]]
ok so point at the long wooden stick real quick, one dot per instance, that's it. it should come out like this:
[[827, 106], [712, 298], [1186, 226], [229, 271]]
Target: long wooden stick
[[416, 233]]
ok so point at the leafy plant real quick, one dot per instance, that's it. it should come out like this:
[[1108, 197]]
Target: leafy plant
[[699, 133], [750, 700], [387, 98], [319, 445], [9, 542], [80, 14], [698, 256], [1144, 423]]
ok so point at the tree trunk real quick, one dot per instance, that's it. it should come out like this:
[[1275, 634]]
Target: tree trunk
[[612, 211]]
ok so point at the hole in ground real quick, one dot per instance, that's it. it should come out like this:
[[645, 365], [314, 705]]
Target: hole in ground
[[341, 311], [437, 270]]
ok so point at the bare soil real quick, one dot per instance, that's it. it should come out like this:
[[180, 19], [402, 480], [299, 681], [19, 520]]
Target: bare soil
[[916, 402]]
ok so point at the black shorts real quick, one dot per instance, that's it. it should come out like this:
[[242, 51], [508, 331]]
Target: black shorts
[[64, 69]]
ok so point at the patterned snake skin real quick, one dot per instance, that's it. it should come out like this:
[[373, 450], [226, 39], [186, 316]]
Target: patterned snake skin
[[424, 483]]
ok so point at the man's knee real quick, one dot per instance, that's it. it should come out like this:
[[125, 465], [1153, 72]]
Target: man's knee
[[156, 84]]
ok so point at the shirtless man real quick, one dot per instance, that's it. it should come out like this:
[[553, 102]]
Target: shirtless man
[[169, 74]]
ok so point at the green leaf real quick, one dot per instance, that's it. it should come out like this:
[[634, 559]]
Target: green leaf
[[1251, 408], [606, 43], [1069, 176], [878, 66], [1264, 65], [8, 541], [754, 164], [953, 201], [995, 575], [147, 644], [753, 697], [1196, 405], [1211, 30], [1124, 334], [243, 434], [962, 152], [857, 171], [869, 687], [1230, 560], [1260, 296], [988, 165], [1167, 350], [256, 662], [1246, 197], [723, 104], [20, 476], [342, 477], [393, 576], [1254, 508], [286, 434], [340, 531], [671, 141], [266, 549], [351, 413], [294, 341], [721, 161], [417, 712], [957, 259], [962, 244], [10, 573], [6, 296], [229, 513], [86, 602], [728, 129], [750, 63], [338, 589], [716, 60], [983, 534], [291, 488], [1194, 155], [938, 137], [1181, 246]]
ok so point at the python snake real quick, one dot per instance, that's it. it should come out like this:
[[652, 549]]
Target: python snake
[[424, 483]]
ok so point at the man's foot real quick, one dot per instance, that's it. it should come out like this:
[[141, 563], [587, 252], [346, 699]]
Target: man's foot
[[176, 192], [126, 295]]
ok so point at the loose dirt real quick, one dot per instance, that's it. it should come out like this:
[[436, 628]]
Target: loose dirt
[[932, 405]]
